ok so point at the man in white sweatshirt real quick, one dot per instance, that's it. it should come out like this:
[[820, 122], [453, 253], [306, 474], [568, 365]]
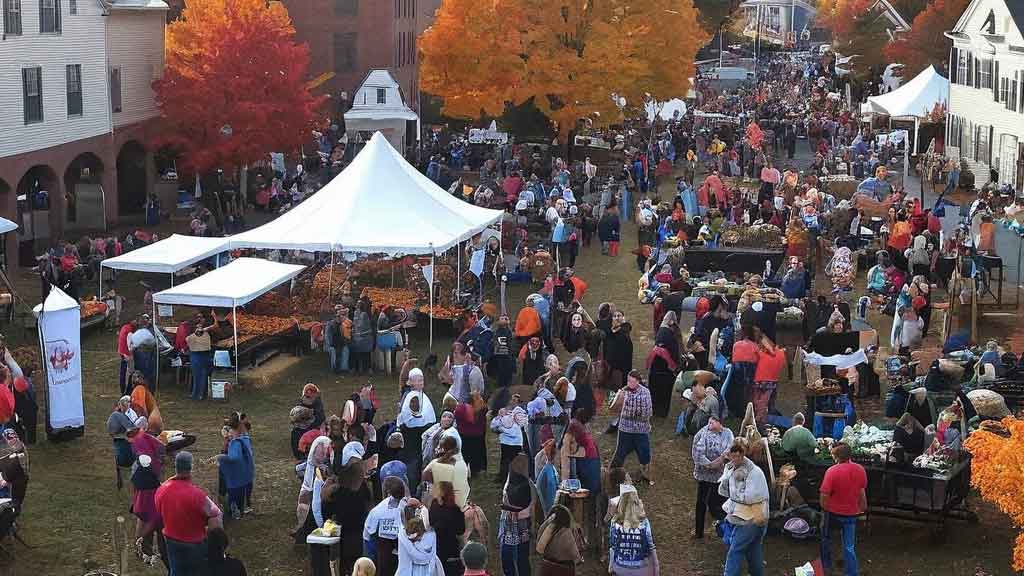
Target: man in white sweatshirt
[[744, 484]]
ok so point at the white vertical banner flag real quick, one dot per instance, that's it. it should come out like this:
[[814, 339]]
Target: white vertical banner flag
[[428, 273], [476, 262], [60, 337]]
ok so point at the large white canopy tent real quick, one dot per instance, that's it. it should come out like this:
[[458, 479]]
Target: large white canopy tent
[[230, 286], [912, 101], [166, 256], [379, 204]]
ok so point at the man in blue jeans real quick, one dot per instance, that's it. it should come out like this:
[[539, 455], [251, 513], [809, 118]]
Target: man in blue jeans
[[744, 484], [843, 498], [337, 334]]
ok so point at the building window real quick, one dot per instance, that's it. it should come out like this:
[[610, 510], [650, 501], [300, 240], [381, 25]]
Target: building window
[[961, 68], [49, 16], [1004, 89], [981, 152], [1011, 100], [74, 81], [12, 17], [985, 74], [344, 52], [72, 7], [32, 89], [115, 89], [382, 96], [346, 7]]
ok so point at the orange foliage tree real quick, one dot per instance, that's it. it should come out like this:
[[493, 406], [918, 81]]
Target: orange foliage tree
[[570, 57], [925, 43], [997, 471], [840, 16], [234, 85]]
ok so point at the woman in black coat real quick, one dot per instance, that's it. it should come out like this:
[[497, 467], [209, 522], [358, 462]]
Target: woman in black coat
[[618, 350]]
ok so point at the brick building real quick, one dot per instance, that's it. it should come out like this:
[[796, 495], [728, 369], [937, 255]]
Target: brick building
[[352, 37]]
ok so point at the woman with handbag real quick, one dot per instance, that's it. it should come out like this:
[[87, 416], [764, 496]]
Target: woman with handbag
[[558, 544]]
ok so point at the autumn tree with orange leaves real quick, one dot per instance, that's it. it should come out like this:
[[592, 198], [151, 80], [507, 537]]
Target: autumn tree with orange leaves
[[926, 42], [840, 16], [572, 58], [234, 85], [997, 471]]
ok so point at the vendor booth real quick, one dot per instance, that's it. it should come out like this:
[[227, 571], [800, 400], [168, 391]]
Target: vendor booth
[[914, 101], [379, 206], [168, 256], [230, 286]]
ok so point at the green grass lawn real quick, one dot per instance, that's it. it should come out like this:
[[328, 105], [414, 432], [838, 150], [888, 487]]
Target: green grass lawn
[[72, 500]]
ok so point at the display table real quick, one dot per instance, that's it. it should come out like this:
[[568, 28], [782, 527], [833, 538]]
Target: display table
[[900, 491], [320, 553], [732, 260]]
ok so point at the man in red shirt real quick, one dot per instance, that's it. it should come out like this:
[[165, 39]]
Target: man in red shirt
[[843, 498], [187, 512], [126, 354]]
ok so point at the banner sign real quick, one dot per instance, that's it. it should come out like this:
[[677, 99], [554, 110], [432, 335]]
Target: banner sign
[[60, 333]]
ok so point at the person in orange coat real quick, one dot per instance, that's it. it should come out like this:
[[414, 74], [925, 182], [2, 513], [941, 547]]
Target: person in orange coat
[[528, 324]]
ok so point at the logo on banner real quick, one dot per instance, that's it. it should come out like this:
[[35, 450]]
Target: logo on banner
[[60, 356]]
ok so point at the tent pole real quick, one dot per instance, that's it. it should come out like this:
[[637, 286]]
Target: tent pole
[[330, 279], [917, 126], [156, 332], [1020, 248], [458, 270], [99, 294], [431, 292], [234, 329]]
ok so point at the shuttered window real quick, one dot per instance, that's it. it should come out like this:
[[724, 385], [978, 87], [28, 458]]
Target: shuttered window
[[1011, 100], [115, 89], [49, 16], [74, 81], [32, 91], [12, 17]]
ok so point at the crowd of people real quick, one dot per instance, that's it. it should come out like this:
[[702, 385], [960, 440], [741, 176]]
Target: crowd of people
[[397, 481]]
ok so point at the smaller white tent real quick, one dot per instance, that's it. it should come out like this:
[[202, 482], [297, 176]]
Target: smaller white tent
[[6, 226], [168, 255], [235, 284], [670, 110], [915, 99]]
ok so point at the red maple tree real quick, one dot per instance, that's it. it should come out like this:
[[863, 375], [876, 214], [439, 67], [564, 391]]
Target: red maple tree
[[925, 42], [234, 87]]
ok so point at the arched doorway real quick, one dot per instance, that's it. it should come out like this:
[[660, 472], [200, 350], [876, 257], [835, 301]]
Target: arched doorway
[[33, 197], [132, 181], [83, 192]]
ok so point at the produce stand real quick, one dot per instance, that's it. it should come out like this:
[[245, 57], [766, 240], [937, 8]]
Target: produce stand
[[93, 313], [231, 286], [895, 489]]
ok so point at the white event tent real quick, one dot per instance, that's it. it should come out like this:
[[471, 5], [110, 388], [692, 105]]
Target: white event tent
[[378, 205], [912, 101], [915, 99], [6, 226], [166, 256], [230, 286]]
